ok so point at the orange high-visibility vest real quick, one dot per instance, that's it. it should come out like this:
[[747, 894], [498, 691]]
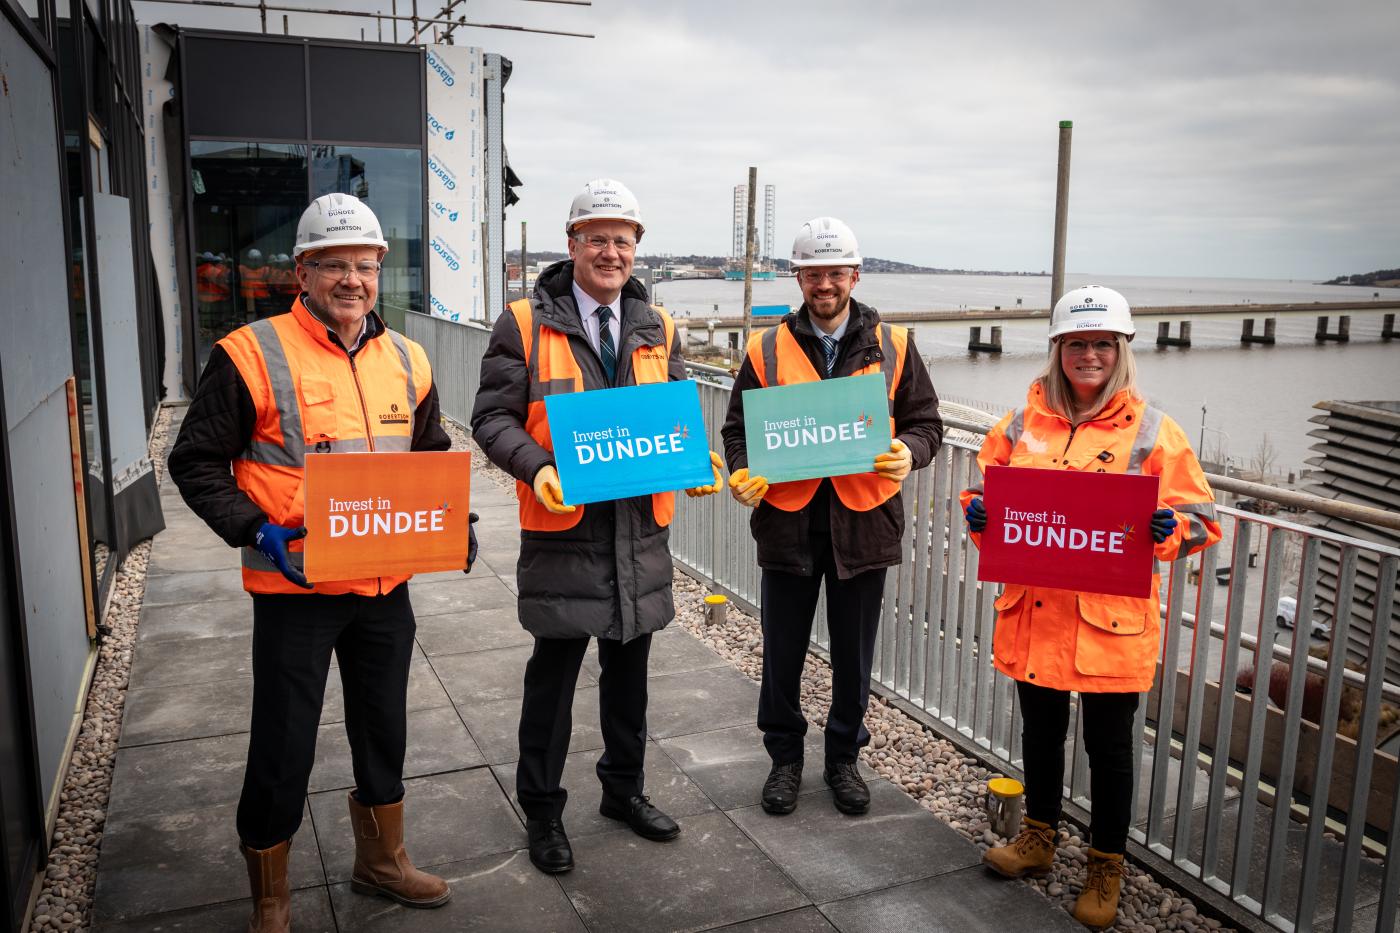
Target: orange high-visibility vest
[[310, 397], [252, 283], [553, 370], [778, 359], [212, 281]]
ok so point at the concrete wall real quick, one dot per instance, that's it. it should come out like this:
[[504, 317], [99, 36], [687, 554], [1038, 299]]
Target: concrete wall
[[36, 358]]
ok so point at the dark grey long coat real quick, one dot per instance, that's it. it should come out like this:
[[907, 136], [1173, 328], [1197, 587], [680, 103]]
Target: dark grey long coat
[[610, 575]]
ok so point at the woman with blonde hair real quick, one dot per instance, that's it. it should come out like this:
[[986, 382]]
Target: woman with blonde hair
[[1084, 413]]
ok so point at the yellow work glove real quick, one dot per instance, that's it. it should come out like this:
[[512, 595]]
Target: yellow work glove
[[714, 487], [747, 490], [896, 464], [548, 491]]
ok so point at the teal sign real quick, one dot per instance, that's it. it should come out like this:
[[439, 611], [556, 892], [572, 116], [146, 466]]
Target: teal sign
[[769, 310], [634, 441], [828, 428]]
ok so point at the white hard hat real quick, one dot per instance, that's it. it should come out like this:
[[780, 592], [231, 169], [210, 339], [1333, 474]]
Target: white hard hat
[[337, 220], [1092, 307], [605, 199], [253, 255], [825, 241]]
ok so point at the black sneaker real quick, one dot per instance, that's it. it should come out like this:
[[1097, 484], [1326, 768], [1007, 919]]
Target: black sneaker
[[780, 790], [848, 788]]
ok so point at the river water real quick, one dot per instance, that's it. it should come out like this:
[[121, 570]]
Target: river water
[[1253, 395]]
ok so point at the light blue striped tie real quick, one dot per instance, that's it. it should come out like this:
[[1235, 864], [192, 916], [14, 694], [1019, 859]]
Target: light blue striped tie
[[829, 348]]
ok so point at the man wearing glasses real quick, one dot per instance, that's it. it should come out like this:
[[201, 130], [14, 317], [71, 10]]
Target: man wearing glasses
[[326, 376], [601, 570], [847, 530]]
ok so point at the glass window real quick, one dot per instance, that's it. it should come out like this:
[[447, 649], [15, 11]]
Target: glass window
[[388, 109], [390, 181], [248, 198], [245, 90]]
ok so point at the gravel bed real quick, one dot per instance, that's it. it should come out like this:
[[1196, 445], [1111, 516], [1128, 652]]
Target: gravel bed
[[65, 898]]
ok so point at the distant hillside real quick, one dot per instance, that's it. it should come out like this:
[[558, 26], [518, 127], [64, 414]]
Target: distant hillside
[[870, 264], [1382, 278]]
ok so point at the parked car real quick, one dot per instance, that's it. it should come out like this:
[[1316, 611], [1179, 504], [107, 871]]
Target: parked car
[[1288, 609]]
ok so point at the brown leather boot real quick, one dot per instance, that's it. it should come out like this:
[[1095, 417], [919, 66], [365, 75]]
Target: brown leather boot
[[1030, 853], [1097, 906], [272, 895], [382, 866]]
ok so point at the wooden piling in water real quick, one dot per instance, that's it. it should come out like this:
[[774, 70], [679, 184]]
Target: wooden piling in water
[[1343, 334], [1247, 335]]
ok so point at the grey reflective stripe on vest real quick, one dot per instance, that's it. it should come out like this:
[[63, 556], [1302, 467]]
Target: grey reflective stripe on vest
[[269, 453], [401, 345], [254, 560], [886, 345], [1197, 514], [284, 393], [1146, 440], [769, 344], [540, 388], [1014, 427]]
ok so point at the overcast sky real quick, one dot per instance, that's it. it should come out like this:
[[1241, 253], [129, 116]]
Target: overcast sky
[[1256, 138]]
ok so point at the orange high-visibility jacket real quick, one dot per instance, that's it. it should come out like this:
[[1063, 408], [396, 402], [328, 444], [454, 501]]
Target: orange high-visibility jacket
[[311, 397], [212, 281], [252, 283], [1092, 642], [553, 370], [778, 359]]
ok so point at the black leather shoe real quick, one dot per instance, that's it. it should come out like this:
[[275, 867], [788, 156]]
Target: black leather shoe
[[550, 851], [848, 788], [637, 812], [780, 790]]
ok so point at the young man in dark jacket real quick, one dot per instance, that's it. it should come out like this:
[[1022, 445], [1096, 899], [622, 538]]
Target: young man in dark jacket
[[601, 570], [847, 530]]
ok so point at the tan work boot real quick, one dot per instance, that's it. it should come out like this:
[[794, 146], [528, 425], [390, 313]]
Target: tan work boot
[[272, 896], [1097, 906], [1030, 853], [382, 866]]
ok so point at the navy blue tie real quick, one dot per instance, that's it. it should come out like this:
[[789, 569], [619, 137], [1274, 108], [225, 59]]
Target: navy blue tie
[[829, 348], [607, 351]]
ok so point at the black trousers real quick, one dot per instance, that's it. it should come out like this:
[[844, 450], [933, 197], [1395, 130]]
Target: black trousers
[[293, 637], [1108, 740], [853, 613], [547, 720]]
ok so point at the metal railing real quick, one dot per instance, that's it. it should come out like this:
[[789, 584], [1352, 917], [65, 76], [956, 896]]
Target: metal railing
[[1264, 811]]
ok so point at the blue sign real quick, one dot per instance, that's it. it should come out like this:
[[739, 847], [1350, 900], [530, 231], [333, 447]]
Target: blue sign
[[634, 441], [769, 310]]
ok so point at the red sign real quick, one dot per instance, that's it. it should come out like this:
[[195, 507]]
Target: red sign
[[376, 515], [1089, 532]]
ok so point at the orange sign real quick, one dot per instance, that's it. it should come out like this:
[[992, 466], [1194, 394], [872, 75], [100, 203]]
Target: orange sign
[[375, 515]]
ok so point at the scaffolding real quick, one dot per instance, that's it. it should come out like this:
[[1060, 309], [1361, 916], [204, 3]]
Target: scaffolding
[[741, 197], [770, 202]]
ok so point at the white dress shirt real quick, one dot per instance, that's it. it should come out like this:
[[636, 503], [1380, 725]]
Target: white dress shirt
[[587, 305]]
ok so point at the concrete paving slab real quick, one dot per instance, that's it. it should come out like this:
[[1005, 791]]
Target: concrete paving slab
[[500, 893], [495, 724], [182, 859], [708, 876], [448, 818], [730, 765], [437, 743], [668, 787], [229, 616], [153, 779], [425, 691], [468, 594], [955, 902], [673, 651], [188, 544], [831, 855], [192, 587], [700, 701], [186, 711], [311, 913], [453, 633], [479, 676], [193, 660], [802, 920]]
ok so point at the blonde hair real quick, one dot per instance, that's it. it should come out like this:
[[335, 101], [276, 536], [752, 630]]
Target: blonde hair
[[1059, 394]]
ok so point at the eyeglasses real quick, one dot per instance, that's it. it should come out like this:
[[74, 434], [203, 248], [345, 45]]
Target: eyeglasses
[[600, 243], [1101, 347], [367, 270], [814, 276]]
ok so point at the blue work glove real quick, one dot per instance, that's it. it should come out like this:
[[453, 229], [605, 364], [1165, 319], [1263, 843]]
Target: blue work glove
[[271, 543], [976, 515], [471, 541], [1163, 524]]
